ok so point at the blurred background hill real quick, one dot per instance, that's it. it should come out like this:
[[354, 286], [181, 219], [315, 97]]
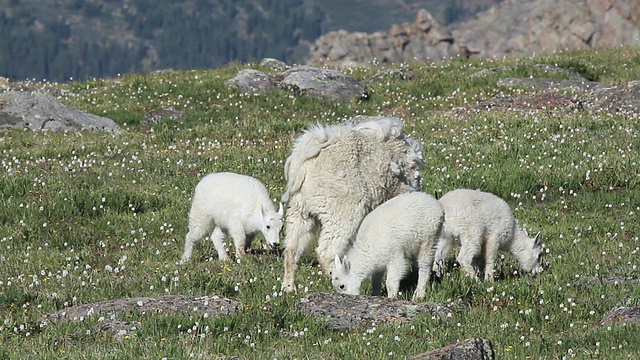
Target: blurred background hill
[[59, 40]]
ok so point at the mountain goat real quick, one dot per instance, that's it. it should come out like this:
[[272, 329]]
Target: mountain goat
[[483, 224], [239, 206], [335, 176], [403, 229]]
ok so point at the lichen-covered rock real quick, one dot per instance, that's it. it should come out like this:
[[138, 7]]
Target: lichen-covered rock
[[622, 315], [624, 98], [348, 311], [43, 112], [469, 349]]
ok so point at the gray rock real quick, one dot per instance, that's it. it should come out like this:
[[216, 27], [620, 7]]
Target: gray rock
[[320, 83], [43, 112], [623, 315], [274, 64], [469, 349], [348, 311], [624, 98], [251, 81]]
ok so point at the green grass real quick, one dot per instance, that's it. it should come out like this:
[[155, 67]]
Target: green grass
[[75, 207]]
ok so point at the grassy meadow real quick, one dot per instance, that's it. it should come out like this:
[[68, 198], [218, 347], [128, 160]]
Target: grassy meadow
[[89, 216]]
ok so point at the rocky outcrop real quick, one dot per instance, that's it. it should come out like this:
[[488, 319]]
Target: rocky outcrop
[[521, 28], [43, 112], [512, 28], [423, 40]]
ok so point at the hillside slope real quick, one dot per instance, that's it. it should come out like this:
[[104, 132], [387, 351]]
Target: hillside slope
[[63, 39]]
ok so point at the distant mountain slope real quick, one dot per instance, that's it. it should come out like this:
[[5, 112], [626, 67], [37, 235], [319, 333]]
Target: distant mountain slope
[[63, 39], [73, 38], [375, 15]]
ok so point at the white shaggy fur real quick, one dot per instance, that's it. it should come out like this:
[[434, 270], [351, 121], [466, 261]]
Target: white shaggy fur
[[401, 230], [335, 176], [239, 206], [483, 224]]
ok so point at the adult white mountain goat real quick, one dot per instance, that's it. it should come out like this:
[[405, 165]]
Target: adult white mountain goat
[[483, 224], [401, 230], [335, 176], [239, 206]]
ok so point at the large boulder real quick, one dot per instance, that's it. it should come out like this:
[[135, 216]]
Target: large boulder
[[43, 112], [251, 81], [322, 83]]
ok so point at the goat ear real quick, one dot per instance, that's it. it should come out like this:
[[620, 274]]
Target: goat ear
[[337, 262], [345, 264], [538, 240], [280, 210]]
